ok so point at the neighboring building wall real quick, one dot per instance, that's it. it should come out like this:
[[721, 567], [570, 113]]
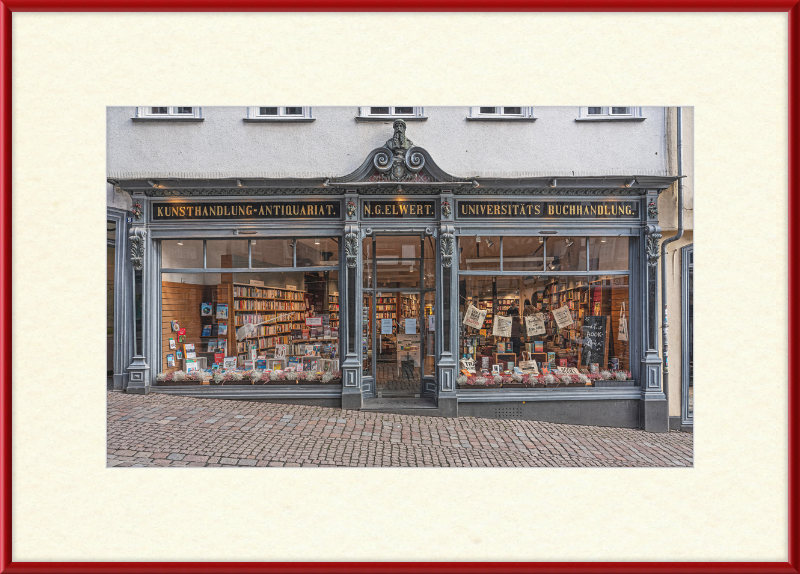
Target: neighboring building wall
[[120, 200], [668, 219], [334, 144]]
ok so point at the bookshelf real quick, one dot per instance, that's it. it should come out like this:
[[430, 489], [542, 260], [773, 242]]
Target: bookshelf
[[333, 310], [252, 304]]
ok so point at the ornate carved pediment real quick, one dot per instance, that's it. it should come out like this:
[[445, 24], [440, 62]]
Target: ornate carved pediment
[[398, 160]]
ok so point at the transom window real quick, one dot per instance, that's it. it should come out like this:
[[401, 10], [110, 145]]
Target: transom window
[[613, 111]]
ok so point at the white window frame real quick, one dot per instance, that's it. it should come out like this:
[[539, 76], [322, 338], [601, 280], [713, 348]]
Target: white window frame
[[526, 114], [254, 115], [365, 114], [145, 113], [634, 114]]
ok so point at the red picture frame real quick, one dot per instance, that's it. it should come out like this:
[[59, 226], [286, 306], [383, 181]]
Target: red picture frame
[[6, 9]]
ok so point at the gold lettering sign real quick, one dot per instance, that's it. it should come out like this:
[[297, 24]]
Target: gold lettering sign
[[243, 210], [609, 209], [399, 209]]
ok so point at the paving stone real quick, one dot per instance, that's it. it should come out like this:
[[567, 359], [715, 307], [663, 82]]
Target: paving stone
[[242, 433]]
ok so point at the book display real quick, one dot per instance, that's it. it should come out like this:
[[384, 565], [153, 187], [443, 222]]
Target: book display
[[561, 325], [333, 310]]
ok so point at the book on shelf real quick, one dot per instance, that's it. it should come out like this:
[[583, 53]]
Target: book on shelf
[[170, 360], [205, 309], [218, 357], [222, 310], [206, 331], [214, 330], [212, 345]]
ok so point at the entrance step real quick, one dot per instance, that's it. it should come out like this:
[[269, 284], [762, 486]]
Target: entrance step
[[398, 404]]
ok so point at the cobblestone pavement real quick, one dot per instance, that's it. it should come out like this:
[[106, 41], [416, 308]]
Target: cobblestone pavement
[[163, 430]]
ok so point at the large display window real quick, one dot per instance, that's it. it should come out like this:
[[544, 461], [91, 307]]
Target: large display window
[[249, 312], [564, 323]]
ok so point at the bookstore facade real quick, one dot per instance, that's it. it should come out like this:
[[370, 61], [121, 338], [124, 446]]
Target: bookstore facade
[[401, 286]]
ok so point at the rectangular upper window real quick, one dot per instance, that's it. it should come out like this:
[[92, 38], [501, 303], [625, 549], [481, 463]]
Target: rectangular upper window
[[383, 113], [180, 113], [501, 113], [609, 113], [279, 114]]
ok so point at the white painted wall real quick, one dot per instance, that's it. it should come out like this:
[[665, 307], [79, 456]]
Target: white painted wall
[[335, 144]]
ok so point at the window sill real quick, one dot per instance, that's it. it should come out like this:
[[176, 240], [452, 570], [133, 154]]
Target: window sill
[[278, 120], [499, 119], [391, 118], [610, 119], [175, 119]]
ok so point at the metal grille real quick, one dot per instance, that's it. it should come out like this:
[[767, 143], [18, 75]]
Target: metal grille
[[508, 412]]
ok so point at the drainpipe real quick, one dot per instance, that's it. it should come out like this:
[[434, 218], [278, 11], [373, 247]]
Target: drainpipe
[[676, 237]]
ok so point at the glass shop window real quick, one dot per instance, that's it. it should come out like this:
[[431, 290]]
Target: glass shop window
[[544, 329]]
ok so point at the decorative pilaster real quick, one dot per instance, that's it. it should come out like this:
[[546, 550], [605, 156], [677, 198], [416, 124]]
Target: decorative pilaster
[[447, 318], [351, 367], [138, 370], [653, 414]]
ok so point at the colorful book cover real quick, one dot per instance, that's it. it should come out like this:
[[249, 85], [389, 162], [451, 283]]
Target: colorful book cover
[[551, 359], [181, 338], [261, 364], [223, 329], [212, 346], [305, 334], [179, 355], [594, 367], [214, 330], [218, 358], [222, 310], [170, 360], [544, 368], [538, 346], [175, 326], [171, 343], [229, 363], [205, 309], [222, 345], [206, 331], [501, 347], [191, 365], [182, 331], [188, 348], [562, 362]]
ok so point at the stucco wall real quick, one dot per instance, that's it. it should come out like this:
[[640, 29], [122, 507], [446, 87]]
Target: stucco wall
[[335, 144], [120, 200], [668, 200]]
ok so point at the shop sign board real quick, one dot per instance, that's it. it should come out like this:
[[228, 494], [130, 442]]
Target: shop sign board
[[399, 209], [245, 210], [616, 209]]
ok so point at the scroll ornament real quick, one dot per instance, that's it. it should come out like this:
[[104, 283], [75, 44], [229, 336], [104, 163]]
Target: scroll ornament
[[652, 249], [137, 247], [447, 249], [351, 249]]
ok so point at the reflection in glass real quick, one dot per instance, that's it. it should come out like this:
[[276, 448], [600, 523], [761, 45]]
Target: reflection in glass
[[271, 253], [226, 253], [478, 253], [608, 253], [182, 254], [523, 253], [316, 252], [566, 254]]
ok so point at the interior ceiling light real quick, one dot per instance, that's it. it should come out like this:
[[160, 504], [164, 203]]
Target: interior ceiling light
[[569, 242], [489, 242], [552, 182], [180, 243]]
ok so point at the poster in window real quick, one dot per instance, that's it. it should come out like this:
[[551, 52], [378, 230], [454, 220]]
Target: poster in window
[[411, 326], [502, 326], [534, 324], [280, 351], [563, 316], [474, 317], [386, 326], [229, 363]]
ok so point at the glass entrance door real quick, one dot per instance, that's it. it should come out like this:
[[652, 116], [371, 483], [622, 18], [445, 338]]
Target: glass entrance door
[[399, 286]]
